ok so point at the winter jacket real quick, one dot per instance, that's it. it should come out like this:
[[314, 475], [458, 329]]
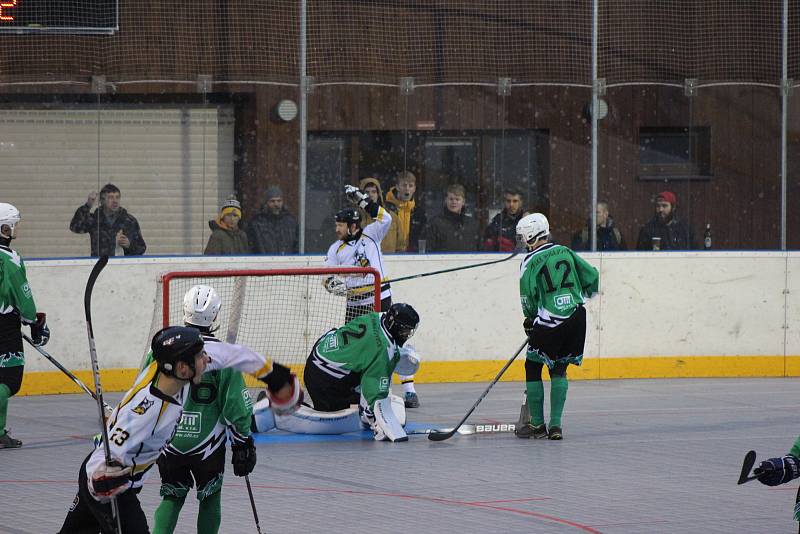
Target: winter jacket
[[501, 234], [273, 234], [410, 215], [103, 238], [393, 236], [674, 234], [452, 232], [608, 237], [224, 241]]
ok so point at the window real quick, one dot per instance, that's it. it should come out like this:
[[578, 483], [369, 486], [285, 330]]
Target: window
[[680, 153]]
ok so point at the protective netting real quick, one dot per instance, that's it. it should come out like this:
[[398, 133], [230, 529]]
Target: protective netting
[[381, 41], [280, 313]]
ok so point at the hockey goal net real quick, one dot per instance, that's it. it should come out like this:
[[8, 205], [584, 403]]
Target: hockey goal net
[[277, 312]]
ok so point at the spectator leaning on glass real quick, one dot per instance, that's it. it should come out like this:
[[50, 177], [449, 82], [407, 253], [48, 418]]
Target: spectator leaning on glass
[[273, 230], [372, 188], [500, 235], [226, 236], [608, 235], [665, 231], [453, 230], [408, 210], [112, 230]]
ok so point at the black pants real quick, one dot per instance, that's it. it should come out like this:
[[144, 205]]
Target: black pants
[[328, 393], [87, 516], [11, 377], [181, 472]]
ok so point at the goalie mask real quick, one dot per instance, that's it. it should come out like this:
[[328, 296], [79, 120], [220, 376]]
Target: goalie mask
[[175, 344], [401, 321], [9, 216], [532, 227], [201, 305]]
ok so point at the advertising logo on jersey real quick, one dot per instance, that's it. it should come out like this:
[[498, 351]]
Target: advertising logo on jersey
[[143, 406], [190, 425], [563, 302], [331, 342], [26, 289]]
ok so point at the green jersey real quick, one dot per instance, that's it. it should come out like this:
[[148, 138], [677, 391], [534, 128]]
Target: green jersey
[[553, 283], [218, 403], [16, 304], [362, 346]]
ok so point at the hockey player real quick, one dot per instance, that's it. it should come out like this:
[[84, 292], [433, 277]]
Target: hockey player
[[144, 422], [357, 247], [361, 356], [218, 405], [16, 308], [553, 284]]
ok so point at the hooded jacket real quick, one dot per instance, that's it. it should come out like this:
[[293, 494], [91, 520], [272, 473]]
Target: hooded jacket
[[273, 234], [452, 232], [411, 219], [608, 237], [393, 236], [225, 241], [103, 233], [501, 234]]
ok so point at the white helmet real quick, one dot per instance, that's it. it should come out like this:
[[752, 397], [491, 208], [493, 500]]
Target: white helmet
[[533, 227], [9, 216], [201, 305]]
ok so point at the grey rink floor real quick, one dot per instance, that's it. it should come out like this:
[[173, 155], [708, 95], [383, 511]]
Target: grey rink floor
[[638, 456]]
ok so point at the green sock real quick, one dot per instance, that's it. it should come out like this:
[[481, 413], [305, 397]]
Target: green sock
[[535, 392], [558, 396], [5, 393], [210, 516], [166, 516]]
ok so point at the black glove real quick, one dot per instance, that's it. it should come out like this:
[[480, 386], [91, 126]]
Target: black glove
[[776, 471], [243, 457], [40, 334], [527, 324]]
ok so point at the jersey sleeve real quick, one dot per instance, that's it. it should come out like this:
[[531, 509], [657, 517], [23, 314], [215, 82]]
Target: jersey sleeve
[[589, 276], [330, 257], [238, 407], [239, 357], [378, 228], [21, 294], [795, 450]]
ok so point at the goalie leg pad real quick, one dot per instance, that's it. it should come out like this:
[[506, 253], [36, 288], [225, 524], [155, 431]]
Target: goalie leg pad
[[263, 415], [386, 425], [308, 421], [399, 409]]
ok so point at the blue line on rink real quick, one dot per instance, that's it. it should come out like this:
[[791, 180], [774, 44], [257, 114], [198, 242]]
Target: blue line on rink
[[279, 436]]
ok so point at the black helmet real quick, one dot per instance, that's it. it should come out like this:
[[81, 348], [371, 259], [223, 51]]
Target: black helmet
[[401, 321], [349, 216], [175, 344]]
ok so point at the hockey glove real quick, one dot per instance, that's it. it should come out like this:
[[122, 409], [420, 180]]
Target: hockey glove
[[356, 196], [527, 324], [40, 334], [336, 286], [776, 471], [283, 389], [243, 457], [108, 481], [408, 364]]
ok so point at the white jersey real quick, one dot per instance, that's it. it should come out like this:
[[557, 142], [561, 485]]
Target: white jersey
[[144, 422], [363, 252]]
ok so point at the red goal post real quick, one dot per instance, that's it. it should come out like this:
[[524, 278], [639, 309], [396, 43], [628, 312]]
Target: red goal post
[[278, 312]]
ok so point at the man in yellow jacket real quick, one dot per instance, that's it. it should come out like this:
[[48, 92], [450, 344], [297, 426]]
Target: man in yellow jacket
[[408, 210]]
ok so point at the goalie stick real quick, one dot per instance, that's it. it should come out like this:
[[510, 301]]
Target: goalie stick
[[441, 436], [98, 389], [747, 466], [468, 430]]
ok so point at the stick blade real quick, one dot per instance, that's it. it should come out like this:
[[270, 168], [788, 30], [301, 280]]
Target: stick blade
[[747, 466], [440, 436]]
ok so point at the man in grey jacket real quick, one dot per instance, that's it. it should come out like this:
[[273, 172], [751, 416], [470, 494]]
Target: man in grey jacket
[[273, 230]]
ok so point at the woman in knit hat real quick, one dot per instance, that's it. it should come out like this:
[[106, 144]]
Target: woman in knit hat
[[226, 236]]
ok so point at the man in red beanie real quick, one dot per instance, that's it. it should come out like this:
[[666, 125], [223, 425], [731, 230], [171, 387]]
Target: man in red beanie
[[665, 231]]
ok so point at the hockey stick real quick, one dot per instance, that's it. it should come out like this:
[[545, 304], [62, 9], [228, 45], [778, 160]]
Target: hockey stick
[[98, 389], [468, 430], [441, 436], [421, 275], [747, 466], [252, 503], [64, 370]]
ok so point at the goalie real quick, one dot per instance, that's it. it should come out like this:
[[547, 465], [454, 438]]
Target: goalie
[[354, 365]]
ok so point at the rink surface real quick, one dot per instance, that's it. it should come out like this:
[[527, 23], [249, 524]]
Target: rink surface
[[638, 456]]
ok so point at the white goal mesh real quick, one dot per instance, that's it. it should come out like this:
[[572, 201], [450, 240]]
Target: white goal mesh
[[279, 312]]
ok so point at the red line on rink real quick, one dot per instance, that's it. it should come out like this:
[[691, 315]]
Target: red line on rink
[[529, 513], [511, 500]]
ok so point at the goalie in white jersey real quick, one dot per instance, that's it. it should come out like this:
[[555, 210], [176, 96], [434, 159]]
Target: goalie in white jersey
[[144, 422]]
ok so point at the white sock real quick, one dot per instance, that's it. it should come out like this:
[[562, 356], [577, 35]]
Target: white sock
[[408, 384]]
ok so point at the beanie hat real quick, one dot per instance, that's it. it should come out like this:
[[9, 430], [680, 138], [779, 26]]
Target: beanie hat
[[231, 206], [668, 196], [273, 192]]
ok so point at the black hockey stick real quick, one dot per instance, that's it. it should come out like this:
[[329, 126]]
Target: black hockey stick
[[441, 436], [98, 389], [421, 275], [468, 430], [747, 466], [64, 370], [252, 503]]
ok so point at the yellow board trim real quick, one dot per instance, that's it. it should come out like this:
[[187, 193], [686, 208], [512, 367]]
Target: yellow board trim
[[52, 382]]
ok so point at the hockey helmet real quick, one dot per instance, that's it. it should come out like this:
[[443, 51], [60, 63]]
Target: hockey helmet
[[348, 216], [201, 305], [532, 227], [401, 321], [9, 216], [175, 344]]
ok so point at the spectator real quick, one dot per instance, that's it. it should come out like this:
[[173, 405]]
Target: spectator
[[501, 234], [608, 235], [453, 230], [372, 187], [226, 236], [408, 210], [112, 230], [665, 231], [273, 230]]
